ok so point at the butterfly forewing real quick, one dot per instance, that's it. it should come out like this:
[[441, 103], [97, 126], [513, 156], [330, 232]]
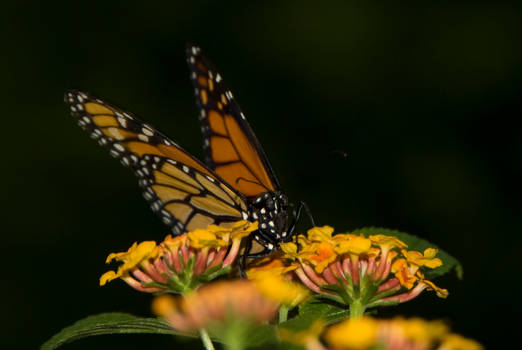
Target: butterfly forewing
[[180, 189], [231, 147]]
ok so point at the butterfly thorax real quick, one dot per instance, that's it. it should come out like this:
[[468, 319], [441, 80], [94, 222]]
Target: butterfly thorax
[[270, 210]]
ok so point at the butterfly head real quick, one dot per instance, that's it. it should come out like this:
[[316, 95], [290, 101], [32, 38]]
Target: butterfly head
[[270, 210]]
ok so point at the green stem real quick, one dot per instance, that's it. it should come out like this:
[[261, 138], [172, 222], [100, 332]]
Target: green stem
[[283, 314], [234, 345], [205, 338], [234, 334], [356, 308]]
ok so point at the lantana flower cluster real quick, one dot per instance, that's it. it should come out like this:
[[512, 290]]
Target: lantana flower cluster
[[212, 304], [355, 270], [230, 311], [182, 263], [368, 333]]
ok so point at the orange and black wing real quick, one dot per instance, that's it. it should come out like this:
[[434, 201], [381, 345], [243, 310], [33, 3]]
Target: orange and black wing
[[180, 189], [231, 146]]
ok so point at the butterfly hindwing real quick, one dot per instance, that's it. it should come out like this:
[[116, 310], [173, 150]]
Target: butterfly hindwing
[[231, 146], [180, 189]]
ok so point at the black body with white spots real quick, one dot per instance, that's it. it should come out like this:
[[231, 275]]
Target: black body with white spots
[[270, 210]]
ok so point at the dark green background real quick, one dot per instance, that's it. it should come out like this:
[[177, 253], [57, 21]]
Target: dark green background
[[422, 96]]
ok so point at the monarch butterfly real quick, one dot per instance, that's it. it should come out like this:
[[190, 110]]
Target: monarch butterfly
[[236, 183]]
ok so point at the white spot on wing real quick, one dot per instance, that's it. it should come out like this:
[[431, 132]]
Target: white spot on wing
[[119, 147], [147, 131], [122, 121]]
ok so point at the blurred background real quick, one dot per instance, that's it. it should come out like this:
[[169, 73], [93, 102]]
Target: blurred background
[[422, 97]]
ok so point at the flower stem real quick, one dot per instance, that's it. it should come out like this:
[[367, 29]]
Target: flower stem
[[205, 338], [283, 314], [356, 308]]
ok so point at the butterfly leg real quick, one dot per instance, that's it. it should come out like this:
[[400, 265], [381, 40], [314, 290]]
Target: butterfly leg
[[244, 256], [297, 216], [266, 241], [308, 212], [264, 253]]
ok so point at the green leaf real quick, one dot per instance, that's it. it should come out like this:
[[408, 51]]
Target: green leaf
[[419, 244], [239, 333], [108, 323], [262, 335], [314, 310], [329, 312]]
